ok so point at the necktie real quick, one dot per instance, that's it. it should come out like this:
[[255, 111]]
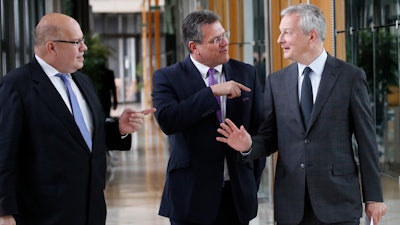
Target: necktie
[[76, 110], [212, 81], [306, 101]]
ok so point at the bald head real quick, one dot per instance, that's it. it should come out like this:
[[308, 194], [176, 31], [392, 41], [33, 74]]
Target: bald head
[[53, 26], [59, 42]]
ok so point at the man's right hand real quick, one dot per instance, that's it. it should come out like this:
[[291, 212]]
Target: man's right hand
[[7, 220], [231, 89]]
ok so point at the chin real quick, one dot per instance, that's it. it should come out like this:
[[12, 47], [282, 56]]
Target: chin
[[227, 58], [286, 56], [80, 66]]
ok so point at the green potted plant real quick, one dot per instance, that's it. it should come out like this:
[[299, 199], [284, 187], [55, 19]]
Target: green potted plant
[[95, 59]]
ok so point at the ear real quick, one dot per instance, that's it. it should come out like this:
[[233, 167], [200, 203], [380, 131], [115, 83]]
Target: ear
[[313, 35], [192, 46], [50, 47]]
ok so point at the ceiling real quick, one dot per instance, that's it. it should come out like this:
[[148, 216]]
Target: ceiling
[[121, 6]]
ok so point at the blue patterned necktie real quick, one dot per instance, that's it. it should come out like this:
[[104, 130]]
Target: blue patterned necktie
[[212, 81], [306, 101], [76, 110]]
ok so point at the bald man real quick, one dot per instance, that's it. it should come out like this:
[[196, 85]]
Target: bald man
[[51, 172]]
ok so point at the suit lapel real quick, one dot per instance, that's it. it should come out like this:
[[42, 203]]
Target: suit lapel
[[50, 96], [90, 98], [291, 77], [329, 77], [194, 83], [231, 74]]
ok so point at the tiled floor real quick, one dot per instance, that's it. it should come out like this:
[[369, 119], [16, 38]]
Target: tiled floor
[[136, 179]]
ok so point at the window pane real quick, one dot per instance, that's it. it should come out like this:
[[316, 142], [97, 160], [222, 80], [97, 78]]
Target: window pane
[[373, 45]]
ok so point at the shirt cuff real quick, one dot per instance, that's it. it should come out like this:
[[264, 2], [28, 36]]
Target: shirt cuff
[[248, 152]]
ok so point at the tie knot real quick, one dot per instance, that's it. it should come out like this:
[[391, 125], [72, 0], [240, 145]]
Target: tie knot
[[307, 70], [211, 71], [63, 76], [211, 77]]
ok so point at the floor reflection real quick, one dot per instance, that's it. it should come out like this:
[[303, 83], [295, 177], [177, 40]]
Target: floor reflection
[[135, 180]]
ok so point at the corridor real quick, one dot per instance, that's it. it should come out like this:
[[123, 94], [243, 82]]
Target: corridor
[[135, 180]]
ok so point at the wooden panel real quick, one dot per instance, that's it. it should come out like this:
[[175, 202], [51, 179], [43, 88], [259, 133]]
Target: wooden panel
[[236, 28], [327, 10], [232, 19], [340, 18], [278, 62], [326, 7]]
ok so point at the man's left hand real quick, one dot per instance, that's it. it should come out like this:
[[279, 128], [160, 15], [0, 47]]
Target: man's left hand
[[375, 211]]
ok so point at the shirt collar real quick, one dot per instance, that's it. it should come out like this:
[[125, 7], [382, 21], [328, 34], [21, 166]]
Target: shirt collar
[[317, 65], [49, 70], [203, 68]]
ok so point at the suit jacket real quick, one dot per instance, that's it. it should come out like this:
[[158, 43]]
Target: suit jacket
[[106, 89], [186, 113], [321, 156], [47, 173]]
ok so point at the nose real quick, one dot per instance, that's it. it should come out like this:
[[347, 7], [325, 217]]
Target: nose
[[280, 38], [83, 46], [224, 41]]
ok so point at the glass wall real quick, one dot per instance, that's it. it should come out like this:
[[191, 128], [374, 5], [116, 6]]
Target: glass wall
[[372, 43], [16, 24], [18, 19], [121, 32]]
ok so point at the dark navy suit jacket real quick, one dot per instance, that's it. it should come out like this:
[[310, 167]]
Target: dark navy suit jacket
[[47, 173], [186, 113]]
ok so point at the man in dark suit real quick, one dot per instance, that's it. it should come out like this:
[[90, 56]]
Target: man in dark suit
[[317, 175], [206, 182], [107, 91], [49, 173]]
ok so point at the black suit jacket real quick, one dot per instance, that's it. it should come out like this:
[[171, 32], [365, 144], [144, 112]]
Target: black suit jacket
[[186, 113], [47, 173], [321, 155]]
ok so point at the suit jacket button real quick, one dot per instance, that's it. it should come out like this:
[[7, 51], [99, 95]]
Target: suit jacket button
[[307, 141], [302, 166]]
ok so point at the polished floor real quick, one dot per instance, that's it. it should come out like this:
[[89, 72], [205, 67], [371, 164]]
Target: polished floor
[[136, 179]]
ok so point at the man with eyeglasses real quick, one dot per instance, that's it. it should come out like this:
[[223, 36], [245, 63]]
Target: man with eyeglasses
[[53, 136], [206, 182]]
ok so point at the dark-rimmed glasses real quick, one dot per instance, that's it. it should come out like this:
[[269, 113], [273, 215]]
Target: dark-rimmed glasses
[[76, 43], [218, 40]]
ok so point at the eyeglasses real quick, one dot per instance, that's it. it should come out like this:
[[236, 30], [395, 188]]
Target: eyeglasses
[[218, 40], [77, 43]]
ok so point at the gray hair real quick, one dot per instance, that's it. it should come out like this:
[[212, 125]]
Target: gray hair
[[311, 18], [191, 25], [42, 33]]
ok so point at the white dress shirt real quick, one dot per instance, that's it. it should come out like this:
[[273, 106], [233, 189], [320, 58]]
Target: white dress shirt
[[51, 72], [220, 77], [317, 67]]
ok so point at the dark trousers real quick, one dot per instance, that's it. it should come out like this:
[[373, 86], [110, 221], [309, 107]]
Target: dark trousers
[[227, 214], [309, 217]]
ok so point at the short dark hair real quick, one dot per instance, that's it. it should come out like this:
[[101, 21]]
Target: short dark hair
[[191, 25]]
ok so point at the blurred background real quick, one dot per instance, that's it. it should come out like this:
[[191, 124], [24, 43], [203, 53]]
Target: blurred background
[[135, 37]]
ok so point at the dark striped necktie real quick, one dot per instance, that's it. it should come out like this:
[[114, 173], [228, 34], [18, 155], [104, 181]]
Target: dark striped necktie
[[306, 101]]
